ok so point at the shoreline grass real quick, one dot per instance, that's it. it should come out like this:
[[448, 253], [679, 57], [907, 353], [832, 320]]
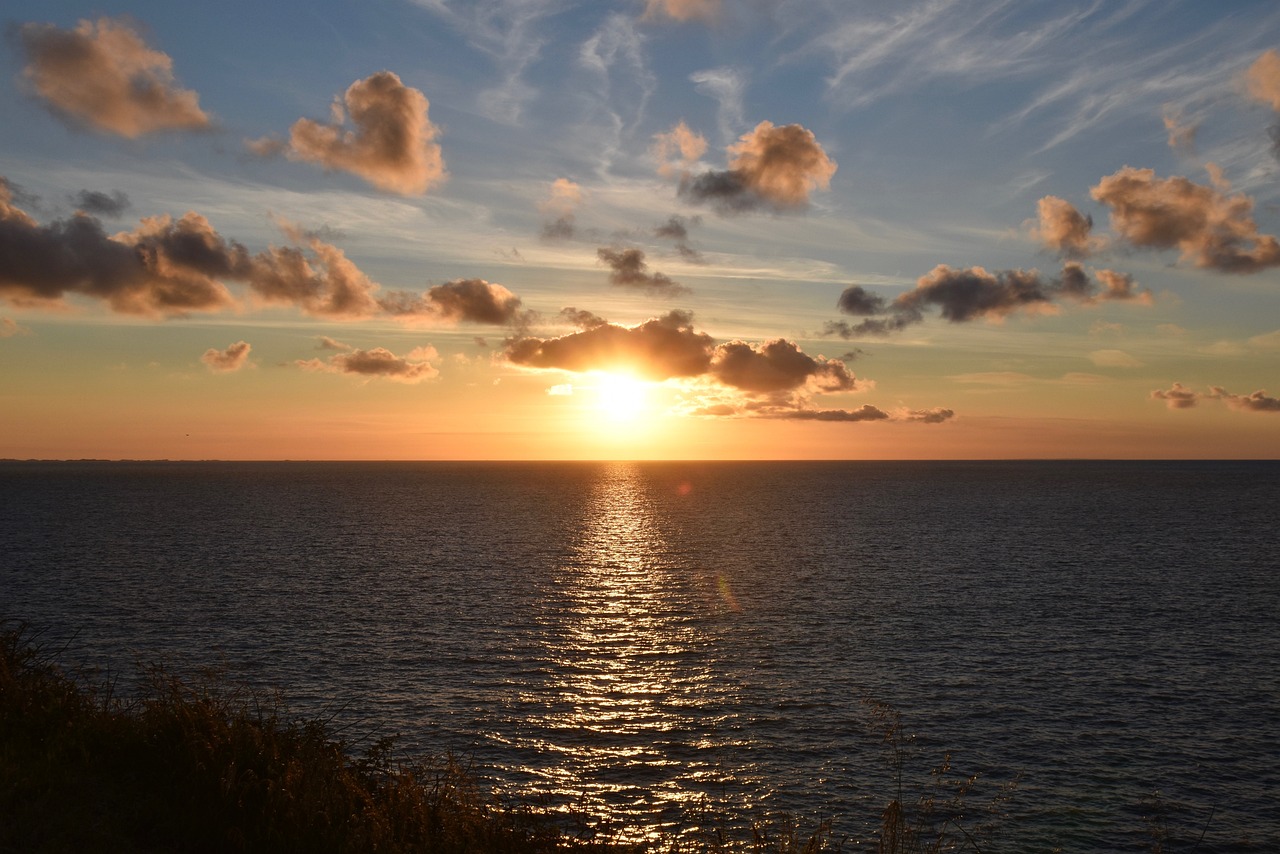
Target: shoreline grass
[[201, 765]]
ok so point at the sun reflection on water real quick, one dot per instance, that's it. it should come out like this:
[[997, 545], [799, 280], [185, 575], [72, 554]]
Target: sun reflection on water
[[631, 719]]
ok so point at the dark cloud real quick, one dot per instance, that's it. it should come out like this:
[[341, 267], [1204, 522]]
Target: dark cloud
[[582, 318], [657, 349], [676, 229], [631, 271], [378, 362], [773, 167], [167, 267], [459, 301], [392, 145], [778, 365], [1210, 228], [857, 300], [935, 415], [111, 204], [233, 358], [866, 412], [968, 294], [327, 343], [560, 228], [104, 76]]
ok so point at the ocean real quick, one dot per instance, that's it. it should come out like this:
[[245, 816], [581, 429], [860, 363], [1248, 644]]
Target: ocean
[[650, 644]]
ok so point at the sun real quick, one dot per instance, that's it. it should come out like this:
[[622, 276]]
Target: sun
[[621, 397]]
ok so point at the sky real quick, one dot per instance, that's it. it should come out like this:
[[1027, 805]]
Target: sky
[[640, 229]]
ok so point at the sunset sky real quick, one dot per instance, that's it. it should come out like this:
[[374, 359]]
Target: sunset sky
[[721, 229]]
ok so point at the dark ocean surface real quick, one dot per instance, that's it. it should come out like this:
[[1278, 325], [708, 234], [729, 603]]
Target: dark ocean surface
[[642, 639]]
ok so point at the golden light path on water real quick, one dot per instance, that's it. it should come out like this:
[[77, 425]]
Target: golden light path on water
[[634, 713]]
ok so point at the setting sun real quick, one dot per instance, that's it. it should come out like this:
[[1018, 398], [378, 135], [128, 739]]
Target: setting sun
[[621, 397]]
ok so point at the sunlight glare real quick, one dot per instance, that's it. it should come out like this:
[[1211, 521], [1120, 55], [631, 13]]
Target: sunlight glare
[[621, 397]]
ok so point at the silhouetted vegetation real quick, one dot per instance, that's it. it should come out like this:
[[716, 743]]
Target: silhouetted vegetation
[[198, 765]]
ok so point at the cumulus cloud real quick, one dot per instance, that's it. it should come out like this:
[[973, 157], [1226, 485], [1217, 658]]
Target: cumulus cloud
[[111, 204], [773, 167], [1063, 229], [459, 301], [167, 267], [233, 358], [683, 10], [392, 145], [629, 270], [103, 75], [859, 301], [776, 366], [658, 349], [677, 150], [1262, 79], [1259, 401], [971, 293], [378, 362], [1179, 396], [1209, 227], [775, 379]]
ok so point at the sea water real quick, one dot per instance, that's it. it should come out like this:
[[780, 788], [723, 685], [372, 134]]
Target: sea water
[[654, 645]]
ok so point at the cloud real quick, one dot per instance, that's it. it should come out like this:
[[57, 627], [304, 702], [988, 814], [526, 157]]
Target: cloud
[[1211, 229], [10, 328], [562, 201], [677, 150], [103, 75], [1181, 397], [858, 301], [459, 301], [1182, 133], [1266, 341], [102, 204], [631, 271], [378, 362], [233, 358], [936, 415], [392, 145], [166, 267], [726, 85], [1256, 402], [1262, 79], [778, 365], [1113, 359], [774, 167], [683, 10], [1063, 229], [658, 349], [327, 343], [866, 412], [676, 228], [972, 293], [582, 318]]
